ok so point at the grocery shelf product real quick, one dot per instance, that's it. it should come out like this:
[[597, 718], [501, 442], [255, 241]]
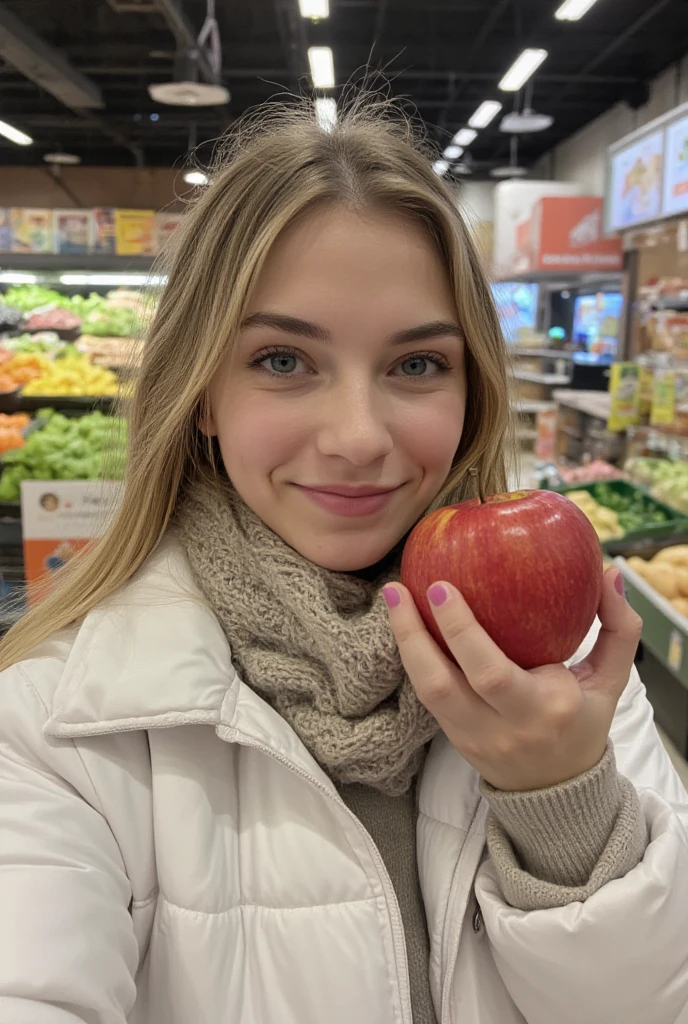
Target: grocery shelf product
[[72, 375], [618, 509], [667, 573]]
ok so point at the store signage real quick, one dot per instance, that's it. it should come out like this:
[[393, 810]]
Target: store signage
[[647, 173], [565, 233], [59, 518]]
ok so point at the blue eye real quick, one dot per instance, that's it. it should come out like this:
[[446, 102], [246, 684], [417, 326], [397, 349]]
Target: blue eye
[[415, 366], [281, 363]]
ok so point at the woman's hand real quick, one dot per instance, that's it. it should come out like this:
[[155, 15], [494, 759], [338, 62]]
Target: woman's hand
[[520, 730]]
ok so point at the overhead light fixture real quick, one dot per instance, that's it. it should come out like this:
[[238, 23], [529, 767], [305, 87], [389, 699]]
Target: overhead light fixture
[[62, 159], [464, 137], [440, 167], [462, 169], [322, 67], [522, 68], [513, 169], [16, 277], [525, 122], [195, 178], [486, 112], [14, 135], [314, 8], [572, 10], [326, 113], [452, 152]]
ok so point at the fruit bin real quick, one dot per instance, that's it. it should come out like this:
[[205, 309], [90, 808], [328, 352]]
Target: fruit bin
[[674, 523], [665, 630]]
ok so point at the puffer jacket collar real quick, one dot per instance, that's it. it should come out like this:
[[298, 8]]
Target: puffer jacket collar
[[153, 657]]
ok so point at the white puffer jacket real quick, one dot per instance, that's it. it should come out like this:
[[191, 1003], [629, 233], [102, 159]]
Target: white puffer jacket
[[171, 854]]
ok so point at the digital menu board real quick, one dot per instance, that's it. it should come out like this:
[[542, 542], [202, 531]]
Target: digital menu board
[[676, 168], [635, 182]]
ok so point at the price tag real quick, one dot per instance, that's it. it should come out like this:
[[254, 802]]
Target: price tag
[[675, 652]]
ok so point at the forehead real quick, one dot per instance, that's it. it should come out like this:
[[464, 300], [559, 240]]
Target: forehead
[[331, 257]]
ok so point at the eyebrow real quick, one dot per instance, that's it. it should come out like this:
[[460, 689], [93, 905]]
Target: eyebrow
[[306, 329]]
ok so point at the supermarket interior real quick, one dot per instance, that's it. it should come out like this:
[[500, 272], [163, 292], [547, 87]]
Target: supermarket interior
[[563, 127]]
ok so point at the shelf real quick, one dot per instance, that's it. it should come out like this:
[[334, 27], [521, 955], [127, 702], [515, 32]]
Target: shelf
[[665, 632], [88, 262], [527, 434], [532, 405], [593, 403], [541, 353], [563, 277], [553, 380]]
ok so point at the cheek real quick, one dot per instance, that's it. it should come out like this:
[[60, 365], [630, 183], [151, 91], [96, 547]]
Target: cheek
[[431, 435], [257, 435]]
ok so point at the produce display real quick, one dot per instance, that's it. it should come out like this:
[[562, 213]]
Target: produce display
[[73, 374], [66, 449], [113, 352], [10, 317], [667, 573], [590, 473], [21, 369], [27, 297], [666, 480], [12, 431], [528, 564], [613, 514], [47, 343]]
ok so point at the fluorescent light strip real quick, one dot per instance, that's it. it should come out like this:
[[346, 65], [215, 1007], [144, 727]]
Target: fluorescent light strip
[[572, 10], [195, 177], [16, 277], [326, 113], [14, 135], [486, 112], [314, 8], [521, 70], [453, 152], [464, 137], [440, 167], [115, 279], [322, 67]]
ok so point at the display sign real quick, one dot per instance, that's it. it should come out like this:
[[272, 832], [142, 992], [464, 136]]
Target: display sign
[[624, 389], [636, 182], [565, 234], [73, 231], [32, 230], [134, 232], [676, 168], [59, 518]]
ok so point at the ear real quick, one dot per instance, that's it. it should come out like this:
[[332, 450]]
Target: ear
[[206, 420]]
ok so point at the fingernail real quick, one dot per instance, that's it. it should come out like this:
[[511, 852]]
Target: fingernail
[[391, 596], [618, 583], [438, 594]]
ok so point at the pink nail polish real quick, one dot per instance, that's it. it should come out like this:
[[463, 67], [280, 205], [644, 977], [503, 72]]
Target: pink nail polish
[[618, 583], [391, 596], [438, 594]]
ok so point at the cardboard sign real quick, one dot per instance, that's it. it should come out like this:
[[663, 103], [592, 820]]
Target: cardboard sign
[[59, 518], [134, 232]]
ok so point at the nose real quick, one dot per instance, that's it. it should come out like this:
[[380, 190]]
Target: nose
[[353, 424]]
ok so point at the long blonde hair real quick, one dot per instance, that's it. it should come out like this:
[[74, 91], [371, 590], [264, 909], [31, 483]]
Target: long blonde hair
[[277, 164]]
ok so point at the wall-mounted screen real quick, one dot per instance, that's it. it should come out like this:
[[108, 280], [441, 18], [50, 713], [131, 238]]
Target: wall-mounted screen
[[635, 185], [676, 168], [517, 305], [596, 322]]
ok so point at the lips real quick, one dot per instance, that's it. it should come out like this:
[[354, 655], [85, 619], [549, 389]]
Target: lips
[[348, 491], [349, 502]]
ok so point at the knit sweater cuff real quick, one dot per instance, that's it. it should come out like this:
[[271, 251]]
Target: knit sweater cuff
[[555, 846]]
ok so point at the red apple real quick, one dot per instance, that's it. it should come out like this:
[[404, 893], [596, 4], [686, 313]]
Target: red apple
[[528, 563]]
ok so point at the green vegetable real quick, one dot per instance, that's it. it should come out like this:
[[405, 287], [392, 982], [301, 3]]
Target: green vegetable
[[634, 511], [66, 449]]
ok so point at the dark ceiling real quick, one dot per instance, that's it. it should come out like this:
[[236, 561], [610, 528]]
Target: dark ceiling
[[444, 55]]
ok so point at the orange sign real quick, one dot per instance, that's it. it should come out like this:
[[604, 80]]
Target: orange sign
[[566, 233]]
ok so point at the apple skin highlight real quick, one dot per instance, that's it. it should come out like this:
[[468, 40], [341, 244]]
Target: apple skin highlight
[[528, 564]]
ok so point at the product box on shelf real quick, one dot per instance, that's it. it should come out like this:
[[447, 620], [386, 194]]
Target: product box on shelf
[[5, 230], [134, 232], [73, 231], [32, 230], [165, 225], [104, 229]]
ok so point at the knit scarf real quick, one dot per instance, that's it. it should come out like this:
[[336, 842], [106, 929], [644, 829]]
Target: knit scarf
[[315, 644]]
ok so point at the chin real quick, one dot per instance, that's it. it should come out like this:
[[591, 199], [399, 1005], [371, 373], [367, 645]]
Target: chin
[[339, 556]]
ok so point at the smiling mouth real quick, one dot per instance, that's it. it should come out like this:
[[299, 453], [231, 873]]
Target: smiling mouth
[[361, 501]]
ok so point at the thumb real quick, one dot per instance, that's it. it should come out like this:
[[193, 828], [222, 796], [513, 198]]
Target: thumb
[[611, 659]]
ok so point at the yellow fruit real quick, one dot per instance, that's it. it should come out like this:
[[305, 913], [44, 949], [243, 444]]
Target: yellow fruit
[[661, 576]]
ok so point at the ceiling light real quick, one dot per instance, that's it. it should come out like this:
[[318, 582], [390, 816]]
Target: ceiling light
[[14, 135], [485, 113], [507, 171], [452, 152], [464, 137], [195, 177], [440, 167], [462, 169], [322, 67], [528, 120], [189, 94], [521, 70], [326, 113], [572, 10], [16, 277], [314, 8], [63, 159]]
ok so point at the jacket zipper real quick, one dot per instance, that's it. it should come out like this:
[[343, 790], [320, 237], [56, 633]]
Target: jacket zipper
[[456, 907], [398, 935]]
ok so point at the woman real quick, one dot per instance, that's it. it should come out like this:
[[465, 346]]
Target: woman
[[229, 791]]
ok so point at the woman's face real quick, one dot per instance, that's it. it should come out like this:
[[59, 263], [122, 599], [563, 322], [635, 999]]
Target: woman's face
[[347, 377]]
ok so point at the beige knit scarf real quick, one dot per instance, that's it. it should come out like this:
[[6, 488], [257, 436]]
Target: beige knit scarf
[[315, 644]]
